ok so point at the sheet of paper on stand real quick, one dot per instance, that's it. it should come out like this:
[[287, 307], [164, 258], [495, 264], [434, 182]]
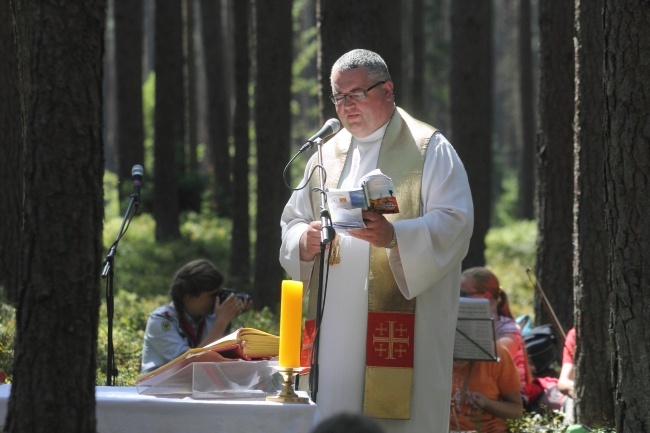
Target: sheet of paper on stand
[[475, 335]]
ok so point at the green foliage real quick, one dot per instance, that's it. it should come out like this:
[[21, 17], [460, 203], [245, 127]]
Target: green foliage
[[505, 208], [510, 250], [145, 267], [547, 422], [129, 321], [7, 333]]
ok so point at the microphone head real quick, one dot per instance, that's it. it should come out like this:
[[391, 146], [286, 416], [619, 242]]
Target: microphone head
[[334, 124], [137, 170]]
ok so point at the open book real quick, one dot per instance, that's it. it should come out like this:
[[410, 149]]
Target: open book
[[475, 336], [245, 343], [375, 193]]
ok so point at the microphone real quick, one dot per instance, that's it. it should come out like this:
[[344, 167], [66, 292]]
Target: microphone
[[332, 126], [136, 172]]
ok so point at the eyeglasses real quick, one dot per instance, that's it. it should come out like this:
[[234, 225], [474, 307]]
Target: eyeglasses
[[464, 294], [339, 98]]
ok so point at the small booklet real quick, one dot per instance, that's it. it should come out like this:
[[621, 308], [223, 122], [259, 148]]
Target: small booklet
[[245, 343], [376, 194], [475, 336]]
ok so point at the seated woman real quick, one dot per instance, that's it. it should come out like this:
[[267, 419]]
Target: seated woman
[[484, 394], [193, 318], [479, 282], [565, 382]]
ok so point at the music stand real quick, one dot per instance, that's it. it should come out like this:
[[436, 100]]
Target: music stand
[[475, 336]]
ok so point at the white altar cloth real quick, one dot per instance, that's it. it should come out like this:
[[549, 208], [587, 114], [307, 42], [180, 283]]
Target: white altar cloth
[[123, 410]]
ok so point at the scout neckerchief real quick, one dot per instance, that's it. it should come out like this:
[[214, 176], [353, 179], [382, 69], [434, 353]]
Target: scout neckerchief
[[391, 317], [194, 338]]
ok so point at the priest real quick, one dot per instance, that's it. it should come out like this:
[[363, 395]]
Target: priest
[[391, 299]]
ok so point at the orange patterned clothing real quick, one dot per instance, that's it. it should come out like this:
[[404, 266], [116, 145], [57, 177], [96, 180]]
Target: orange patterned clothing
[[492, 379]]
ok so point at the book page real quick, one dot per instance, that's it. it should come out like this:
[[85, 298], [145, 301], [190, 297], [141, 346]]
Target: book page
[[471, 308], [345, 208], [475, 335]]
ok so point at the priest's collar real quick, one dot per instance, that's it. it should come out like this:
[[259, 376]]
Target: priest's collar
[[375, 136]]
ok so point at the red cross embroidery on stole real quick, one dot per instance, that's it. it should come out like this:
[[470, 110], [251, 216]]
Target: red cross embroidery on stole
[[389, 340]]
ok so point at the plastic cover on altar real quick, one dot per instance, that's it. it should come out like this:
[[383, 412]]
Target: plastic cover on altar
[[209, 380]]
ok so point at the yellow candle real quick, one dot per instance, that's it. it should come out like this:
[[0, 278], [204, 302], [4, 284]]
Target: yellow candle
[[290, 323]]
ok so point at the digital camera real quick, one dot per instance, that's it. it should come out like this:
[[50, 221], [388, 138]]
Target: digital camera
[[224, 293]]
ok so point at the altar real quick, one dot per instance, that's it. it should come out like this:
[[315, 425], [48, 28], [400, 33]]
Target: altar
[[123, 410]]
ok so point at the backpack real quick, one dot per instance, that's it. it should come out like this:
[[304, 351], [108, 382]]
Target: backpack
[[541, 344]]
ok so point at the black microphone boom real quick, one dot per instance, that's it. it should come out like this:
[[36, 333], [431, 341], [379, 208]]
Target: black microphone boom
[[332, 126], [136, 172]]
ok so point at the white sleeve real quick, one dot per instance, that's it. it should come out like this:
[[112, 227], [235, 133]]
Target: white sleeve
[[296, 216], [430, 246]]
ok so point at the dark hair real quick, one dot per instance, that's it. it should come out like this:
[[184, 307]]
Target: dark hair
[[193, 278], [485, 281], [348, 423]]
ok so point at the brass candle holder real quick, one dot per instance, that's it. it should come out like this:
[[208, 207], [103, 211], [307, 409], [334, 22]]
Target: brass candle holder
[[287, 395]]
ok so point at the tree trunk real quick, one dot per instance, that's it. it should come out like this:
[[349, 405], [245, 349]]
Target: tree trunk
[[471, 110], [555, 161], [128, 84], [60, 51], [169, 120], [526, 166], [190, 91], [218, 116], [11, 164], [627, 200], [594, 396], [437, 35], [419, 54], [240, 243], [273, 132], [340, 23]]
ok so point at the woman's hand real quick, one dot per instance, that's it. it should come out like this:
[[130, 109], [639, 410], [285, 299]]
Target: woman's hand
[[231, 307], [476, 399]]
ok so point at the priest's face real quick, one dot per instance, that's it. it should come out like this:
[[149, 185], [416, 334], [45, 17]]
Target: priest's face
[[361, 116]]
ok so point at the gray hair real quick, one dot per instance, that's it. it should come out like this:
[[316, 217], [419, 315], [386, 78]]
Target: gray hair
[[377, 68]]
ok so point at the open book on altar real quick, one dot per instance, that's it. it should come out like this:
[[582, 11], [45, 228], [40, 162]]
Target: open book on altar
[[243, 344], [475, 335], [375, 193]]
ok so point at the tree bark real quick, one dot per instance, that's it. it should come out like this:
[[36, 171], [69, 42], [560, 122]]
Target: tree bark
[[169, 119], [593, 387], [627, 200], [11, 164], [128, 84], [526, 172], [273, 132], [240, 242], [60, 51], [218, 115], [555, 161], [471, 111]]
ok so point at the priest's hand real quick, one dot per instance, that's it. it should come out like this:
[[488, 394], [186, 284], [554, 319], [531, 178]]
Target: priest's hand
[[378, 231], [310, 242]]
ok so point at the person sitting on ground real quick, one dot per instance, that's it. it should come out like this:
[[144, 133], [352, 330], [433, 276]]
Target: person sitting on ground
[[194, 317], [480, 282], [347, 423], [565, 382], [485, 394]]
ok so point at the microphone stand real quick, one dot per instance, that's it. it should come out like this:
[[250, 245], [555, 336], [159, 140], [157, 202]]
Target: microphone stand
[[327, 236], [107, 274]]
